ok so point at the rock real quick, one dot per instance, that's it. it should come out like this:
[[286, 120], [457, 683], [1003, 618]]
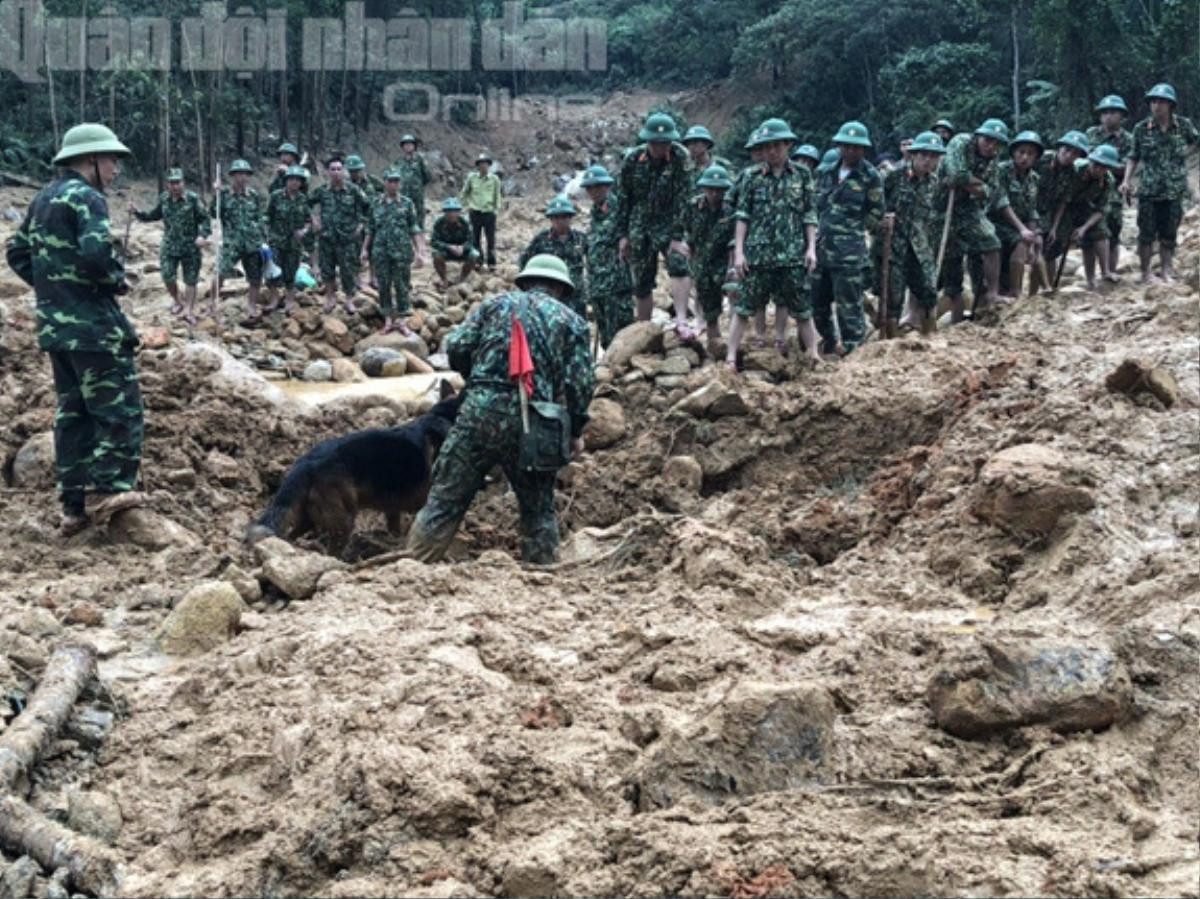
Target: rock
[[1028, 489], [34, 463], [766, 360], [84, 613], [150, 530], [95, 814], [764, 737], [34, 621], [223, 467], [440, 362], [206, 617], [675, 365], [248, 588], [670, 382], [374, 359], [154, 338], [335, 333], [683, 472], [294, 571], [1134, 376], [181, 477], [636, 339], [984, 687], [89, 727], [686, 353], [11, 215], [648, 365], [395, 368], [321, 370], [344, 371], [393, 341], [417, 365], [18, 879], [713, 400], [319, 349], [606, 424]]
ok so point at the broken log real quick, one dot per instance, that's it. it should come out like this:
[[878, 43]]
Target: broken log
[[19, 179], [93, 867]]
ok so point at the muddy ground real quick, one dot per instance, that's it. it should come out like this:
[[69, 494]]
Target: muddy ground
[[735, 684]]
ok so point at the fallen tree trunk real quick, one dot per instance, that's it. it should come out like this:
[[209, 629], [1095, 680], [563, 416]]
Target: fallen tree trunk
[[93, 868]]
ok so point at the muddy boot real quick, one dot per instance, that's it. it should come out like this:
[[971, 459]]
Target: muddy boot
[[100, 507], [891, 328], [928, 322]]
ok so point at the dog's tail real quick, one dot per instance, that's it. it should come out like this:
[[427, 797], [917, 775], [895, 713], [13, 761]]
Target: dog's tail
[[281, 516]]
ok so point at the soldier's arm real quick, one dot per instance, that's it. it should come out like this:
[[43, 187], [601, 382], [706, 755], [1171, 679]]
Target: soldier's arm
[[437, 239], [626, 184], [203, 219], [425, 176], [682, 185], [810, 203], [98, 261], [153, 215], [20, 251], [955, 170], [579, 381], [875, 204]]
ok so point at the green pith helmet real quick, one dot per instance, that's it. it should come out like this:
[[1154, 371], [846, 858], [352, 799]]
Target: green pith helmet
[[240, 165], [174, 174], [483, 157], [560, 206], [993, 128], [408, 139], [807, 151], [1027, 137], [1112, 101], [853, 133], [544, 265], [699, 132], [715, 176], [393, 175], [596, 175], [287, 148], [1074, 139], [451, 204], [355, 164], [1162, 91], [296, 171], [927, 142], [749, 142], [831, 158], [1106, 155], [659, 127], [772, 130], [943, 123], [89, 138]]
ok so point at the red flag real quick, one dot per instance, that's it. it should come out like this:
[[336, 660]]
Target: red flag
[[520, 363]]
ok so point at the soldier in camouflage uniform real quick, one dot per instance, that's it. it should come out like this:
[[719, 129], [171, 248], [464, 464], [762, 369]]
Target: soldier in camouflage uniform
[[488, 429], [241, 209], [288, 157], [1112, 111], [1159, 159], [414, 174], [1056, 174], [288, 226], [733, 286], [1015, 216], [393, 234], [569, 245], [849, 202], [709, 227], [655, 185], [451, 240], [943, 129], [610, 287], [339, 216], [1083, 220], [185, 230], [806, 155], [63, 249], [371, 186], [699, 143], [775, 242]]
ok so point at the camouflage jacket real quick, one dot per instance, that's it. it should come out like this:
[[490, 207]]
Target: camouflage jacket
[[558, 342], [241, 220], [392, 225], [369, 185], [654, 194], [446, 234], [776, 211], [698, 170], [342, 211], [709, 232], [959, 166], [608, 275], [911, 199], [183, 221], [1162, 158], [845, 211], [1054, 188], [1121, 140], [1022, 194], [1087, 194], [414, 174], [570, 248], [285, 216], [64, 251]]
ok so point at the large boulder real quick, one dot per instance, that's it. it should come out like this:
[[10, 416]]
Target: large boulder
[[293, 570], [1133, 377], [335, 333], [34, 463], [206, 617], [1029, 489], [321, 370], [606, 424], [393, 341], [150, 530], [713, 400], [633, 340], [383, 362]]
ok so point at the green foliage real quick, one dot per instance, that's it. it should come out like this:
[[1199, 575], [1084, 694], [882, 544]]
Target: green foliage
[[955, 81]]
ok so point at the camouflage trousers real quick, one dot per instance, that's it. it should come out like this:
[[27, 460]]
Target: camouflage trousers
[[287, 257], [839, 291], [97, 424], [971, 232], [1113, 221], [644, 251], [393, 274], [339, 257], [1158, 221], [418, 200], [250, 260], [613, 312], [786, 285], [709, 295], [187, 258], [1075, 217], [910, 272], [486, 434]]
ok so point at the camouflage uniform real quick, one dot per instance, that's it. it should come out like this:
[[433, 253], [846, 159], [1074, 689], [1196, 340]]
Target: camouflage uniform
[[776, 210], [447, 233], [344, 212], [610, 288], [1086, 197], [845, 211], [1022, 195], [1162, 177], [241, 233], [371, 186], [698, 170], [63, 249], [285, 216], [392, 226], [971, 231], [571, 249], [183, 221], [1122, 141], [488, 429], [709, 231], [654, 196], [912, 257], [414, 175], [1054, 184]]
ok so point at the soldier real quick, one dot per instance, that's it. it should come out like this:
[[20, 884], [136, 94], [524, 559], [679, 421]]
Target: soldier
[[1081, 218], [610, 288], [1159, 158], [943, 129], [288, 226], [481, 195], [393, 233], [242, 235], [288, 157], [849, 202], [1056, 173], [969, 171], [699, 144], [371, 186], [733, 287], [414, 172], [806, 155], [709, 228], [185, 230], [569, 245], [451, 240], [489, 430], [339, 216], [775, 242], [1112, 110], [63, 249], [908, 202], [1015, 216], [655, 186]]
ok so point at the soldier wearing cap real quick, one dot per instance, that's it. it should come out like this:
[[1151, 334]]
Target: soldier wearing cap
[[289, 156], [806, 155], [1112, 111], [733, 286], [709, 227], [480, 195], [699, 143], [186, 229], [288, 227], [451, 241], [394, 235], [610, 288], [242, 236], [1159, 159], [1082, 221], [569, 245], [63, 249], [943, 129], [1056, 172], [1016, 220], [362, 179], [490, 430], [414, 173], [655, 185], [339, 216]]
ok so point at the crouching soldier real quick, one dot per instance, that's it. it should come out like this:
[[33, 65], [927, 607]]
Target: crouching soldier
[[1081, 218], [451, 241]]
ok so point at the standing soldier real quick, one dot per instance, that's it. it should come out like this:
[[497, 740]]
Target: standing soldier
[[1015, 214], [288, 226], [63, 249], [490, 430], [775, 240], [699, 144], [185, 230], [414, 174], [481, 195], [1112, 110], [393, 234], [569, 245], [1159, 158], [610, 289], [241, 234], [371, 186], [451, 240], [849, 202], [709, 229], [733, 286], [806, 155], [655, 186], [288, 157], [339, 216], [1081, 219]]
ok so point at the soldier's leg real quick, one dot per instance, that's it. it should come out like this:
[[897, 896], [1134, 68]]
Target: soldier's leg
[[822, 303], [383, 268], [402, 285], [848, 289], [439, 266], [644, 261], [953, 280], [73, 434], [327, 253], [191, 277], [476, 220], [755, 293], [114, 404], [470, 263], [681, 290], [1147, 234], [252, 264], [796, 297], [535, 501], [349, 249], [167, 264], [708, 297], [918, 275], [1171, 215], [489, 230], [457, 476], [1113, 220], [289, 263]]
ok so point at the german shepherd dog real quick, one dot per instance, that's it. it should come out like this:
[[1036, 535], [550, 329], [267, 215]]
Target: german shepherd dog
[[385, 469]]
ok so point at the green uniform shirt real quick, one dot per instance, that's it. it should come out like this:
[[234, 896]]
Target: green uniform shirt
[[285, 216], [1054, 186], [846, 209], [961, 164], [481, 193], [1162, 157], [342, 209], [241, 220], [571, 248], [654, 193], [776, 208], [608, 274], [1021, 192], [392, 225], [709, 230], [369, 185], [183, 220], [911, 199], [447, 233], [414, 174]]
